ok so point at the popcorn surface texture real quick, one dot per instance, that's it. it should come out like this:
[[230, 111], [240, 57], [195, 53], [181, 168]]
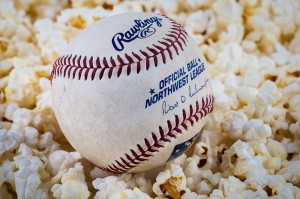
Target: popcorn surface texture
[[249, 148]]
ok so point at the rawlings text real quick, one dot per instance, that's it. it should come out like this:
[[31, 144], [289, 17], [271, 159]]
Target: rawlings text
[[141, 29]]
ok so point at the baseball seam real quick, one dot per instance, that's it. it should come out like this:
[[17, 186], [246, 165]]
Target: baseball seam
[[68, 65], [139, 155]]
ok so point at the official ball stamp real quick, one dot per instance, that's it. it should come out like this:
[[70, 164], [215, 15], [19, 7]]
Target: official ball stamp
[[131, 92]]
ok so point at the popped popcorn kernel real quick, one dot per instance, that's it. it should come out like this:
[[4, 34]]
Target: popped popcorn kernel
[[77, 22], [170, 182], [72, 185]]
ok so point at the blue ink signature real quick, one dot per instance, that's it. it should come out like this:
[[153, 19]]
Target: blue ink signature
[[142, 29], [196, 90], [167, 107]]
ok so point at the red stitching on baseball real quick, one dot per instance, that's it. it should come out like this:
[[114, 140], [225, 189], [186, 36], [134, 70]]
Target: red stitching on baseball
[[98, 63], [67, 63], [128, 162], [104, 63], [147, 59], [91, 62], [112, 61]]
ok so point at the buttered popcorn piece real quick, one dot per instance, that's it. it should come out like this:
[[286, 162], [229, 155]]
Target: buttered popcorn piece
[[72, 185], [22, 87], [171, 182]]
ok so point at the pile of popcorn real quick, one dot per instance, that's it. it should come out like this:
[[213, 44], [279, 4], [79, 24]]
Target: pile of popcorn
[[249, 147]]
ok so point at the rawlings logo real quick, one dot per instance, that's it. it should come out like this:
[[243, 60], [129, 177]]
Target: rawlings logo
[[141, 29]]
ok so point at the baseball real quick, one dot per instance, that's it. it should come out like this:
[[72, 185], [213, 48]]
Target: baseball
[[131, 92]]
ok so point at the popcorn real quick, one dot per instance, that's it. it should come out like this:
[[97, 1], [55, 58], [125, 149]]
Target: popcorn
[[31, 136], [44, 120], [50, 40], [234, 123], [7, 173], [61, 160], [192, 195], [291, 171], [30, 173], [5, 67], [22, 117], [255, 130], [180, 160], [269, 92], [234, 33], [108, 186], [72, 185], [295, 128], [128, 193], [22, 87], [9, 141], [169, 7], [288, 191], [252, 78], [249, 46], [294, 44], [43, 9], [276, 149], [240, 161], [216, 194], [291, 90], [228, 12], [245, 94], [44, 99], [285, 15], [137, 181], [271, 186], [46, 142], [197, 22], [249, 147], [200, 178], [259, 193], [281, 56], [295, 102], [170, 183], [10, 109], [271, 181], [231, 185]]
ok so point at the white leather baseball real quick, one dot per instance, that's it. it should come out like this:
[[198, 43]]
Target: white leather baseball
[[131, 92]]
